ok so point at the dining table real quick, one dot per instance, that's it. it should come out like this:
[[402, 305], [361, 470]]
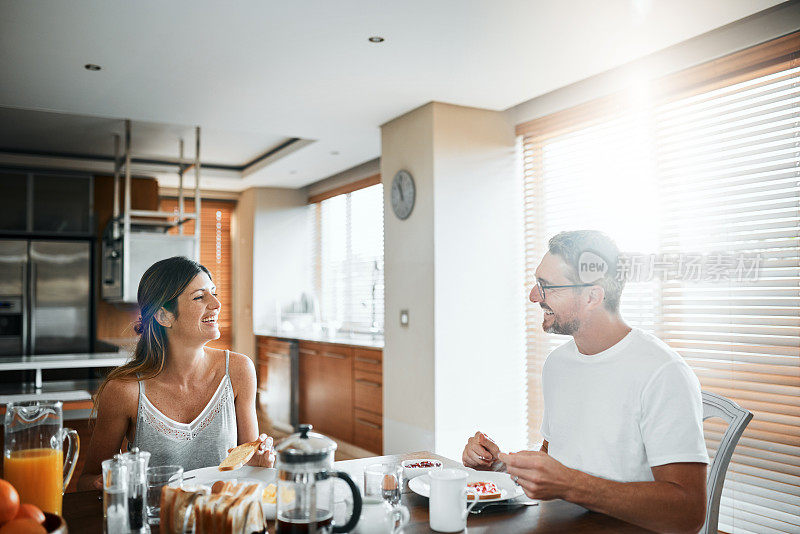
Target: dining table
[[83, 511]]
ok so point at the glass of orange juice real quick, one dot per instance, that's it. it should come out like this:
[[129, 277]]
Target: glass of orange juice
[[34, 459]]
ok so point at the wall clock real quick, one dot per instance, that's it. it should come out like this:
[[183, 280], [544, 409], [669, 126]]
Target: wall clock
[[403, 194]]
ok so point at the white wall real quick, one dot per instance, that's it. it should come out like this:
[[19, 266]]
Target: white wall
[[242, 237], [408, 364], [750, 31], [455, 264], [479, 285], [281, 251]]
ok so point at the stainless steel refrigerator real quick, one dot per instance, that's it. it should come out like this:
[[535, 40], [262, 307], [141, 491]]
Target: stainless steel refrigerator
[[45, 296]]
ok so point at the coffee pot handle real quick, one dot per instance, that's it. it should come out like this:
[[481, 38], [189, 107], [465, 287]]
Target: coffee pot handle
[[354, 517], [71, 456]]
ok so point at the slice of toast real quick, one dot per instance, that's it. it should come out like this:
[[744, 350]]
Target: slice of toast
[[183, 509], [239, 456], [165, 507], [485, 490]]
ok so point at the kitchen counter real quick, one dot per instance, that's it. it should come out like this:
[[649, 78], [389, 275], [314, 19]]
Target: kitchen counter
[[63, 390], [355, 340], [83, 360]]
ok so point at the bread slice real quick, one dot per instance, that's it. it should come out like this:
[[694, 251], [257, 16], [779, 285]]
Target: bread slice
[[239, 456], [206, 520], [485, 490], [248, 518], [244, 517], [221, 514], [165, 503], [182, 511]]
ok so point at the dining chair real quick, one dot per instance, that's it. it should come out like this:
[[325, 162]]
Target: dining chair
[[737, 418]]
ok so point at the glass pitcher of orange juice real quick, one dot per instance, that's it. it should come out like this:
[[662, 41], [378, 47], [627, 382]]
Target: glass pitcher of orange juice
[[34, 460]]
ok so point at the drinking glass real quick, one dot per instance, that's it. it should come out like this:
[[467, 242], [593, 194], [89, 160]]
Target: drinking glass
[[384, 481], [157, 478]]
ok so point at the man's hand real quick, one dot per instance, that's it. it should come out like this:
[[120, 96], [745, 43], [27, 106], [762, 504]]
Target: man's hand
[[480, 453], [540, 475]]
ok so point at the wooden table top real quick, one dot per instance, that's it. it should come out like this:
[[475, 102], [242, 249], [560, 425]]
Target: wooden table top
[[84, 510]]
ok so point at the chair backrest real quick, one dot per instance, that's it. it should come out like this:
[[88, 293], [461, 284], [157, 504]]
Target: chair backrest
[[737, 418]]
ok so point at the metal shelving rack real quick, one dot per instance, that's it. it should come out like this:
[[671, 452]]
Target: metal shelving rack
[[134, 239]]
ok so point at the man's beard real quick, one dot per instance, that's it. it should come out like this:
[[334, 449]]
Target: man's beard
[[566, 328]]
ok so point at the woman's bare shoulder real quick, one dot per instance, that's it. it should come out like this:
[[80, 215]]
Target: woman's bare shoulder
[[119, 395], [242, 363], [242, 371]]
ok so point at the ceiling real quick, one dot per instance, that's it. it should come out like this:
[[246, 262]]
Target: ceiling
[[254, 74]]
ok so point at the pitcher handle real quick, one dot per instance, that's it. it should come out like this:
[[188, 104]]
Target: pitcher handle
[[71, 456], [354, 517]]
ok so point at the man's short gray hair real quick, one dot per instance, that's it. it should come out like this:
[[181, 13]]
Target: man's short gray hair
[[571, 245]]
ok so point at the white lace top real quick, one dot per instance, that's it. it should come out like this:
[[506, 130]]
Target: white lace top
[[202, 443]]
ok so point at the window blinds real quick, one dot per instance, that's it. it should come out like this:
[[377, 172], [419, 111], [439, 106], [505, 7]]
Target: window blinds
[[348, 258], [709, 178], [216, 254]]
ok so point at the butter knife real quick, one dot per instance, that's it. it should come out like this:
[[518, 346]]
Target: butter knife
[[502, 505]]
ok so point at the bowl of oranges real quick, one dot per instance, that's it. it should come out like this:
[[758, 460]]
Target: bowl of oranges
[[24, 518]]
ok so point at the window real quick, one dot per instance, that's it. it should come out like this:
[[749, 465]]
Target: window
[[215, 253], [348, 259], [703, 169]]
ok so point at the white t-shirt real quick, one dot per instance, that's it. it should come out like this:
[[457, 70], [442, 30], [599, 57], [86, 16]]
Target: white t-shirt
[[617, 413]]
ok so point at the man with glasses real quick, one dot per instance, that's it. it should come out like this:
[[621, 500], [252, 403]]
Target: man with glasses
[[623, 412]]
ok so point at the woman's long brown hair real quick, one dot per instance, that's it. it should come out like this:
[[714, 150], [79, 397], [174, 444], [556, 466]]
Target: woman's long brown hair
[[159, 288]]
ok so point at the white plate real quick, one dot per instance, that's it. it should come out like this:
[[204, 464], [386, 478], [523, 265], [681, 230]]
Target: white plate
[[206, 476], [421, 485]]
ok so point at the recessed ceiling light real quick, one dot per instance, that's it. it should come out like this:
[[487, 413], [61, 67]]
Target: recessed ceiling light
[[92, 67], [334, 152], [376, 39]]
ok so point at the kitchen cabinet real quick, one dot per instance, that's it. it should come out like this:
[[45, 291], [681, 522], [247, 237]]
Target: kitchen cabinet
[[326, 388], [274, 382], [62, 204], [368, 399], [14, 201], [46, 203], [340, 388]]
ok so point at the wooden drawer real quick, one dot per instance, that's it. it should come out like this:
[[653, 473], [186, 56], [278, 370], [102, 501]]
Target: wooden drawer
[[308, 347], [368, 391], [368, 360], [262, 347], [262, 374], [368, 431]]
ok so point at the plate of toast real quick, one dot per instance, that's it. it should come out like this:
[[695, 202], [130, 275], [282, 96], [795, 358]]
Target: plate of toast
[[490, 486], [230, 498]]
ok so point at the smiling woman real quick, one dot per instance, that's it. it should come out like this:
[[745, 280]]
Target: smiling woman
[[178, 399]]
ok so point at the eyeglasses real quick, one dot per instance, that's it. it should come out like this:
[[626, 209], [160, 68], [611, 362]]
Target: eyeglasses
[[538, 289]]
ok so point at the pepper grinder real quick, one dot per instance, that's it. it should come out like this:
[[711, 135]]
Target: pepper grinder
[[137, 461]]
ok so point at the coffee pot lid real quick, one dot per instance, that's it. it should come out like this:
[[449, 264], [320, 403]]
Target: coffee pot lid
[[305, 446]]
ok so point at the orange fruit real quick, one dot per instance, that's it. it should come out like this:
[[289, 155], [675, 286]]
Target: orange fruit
[[22, 526], [9, 501], [30, 511]]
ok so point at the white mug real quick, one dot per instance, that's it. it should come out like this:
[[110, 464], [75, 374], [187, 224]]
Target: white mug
[[379, 517], [448, 506]]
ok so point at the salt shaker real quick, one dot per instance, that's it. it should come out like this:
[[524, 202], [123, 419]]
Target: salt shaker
[[137, 461], [115, 496]]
